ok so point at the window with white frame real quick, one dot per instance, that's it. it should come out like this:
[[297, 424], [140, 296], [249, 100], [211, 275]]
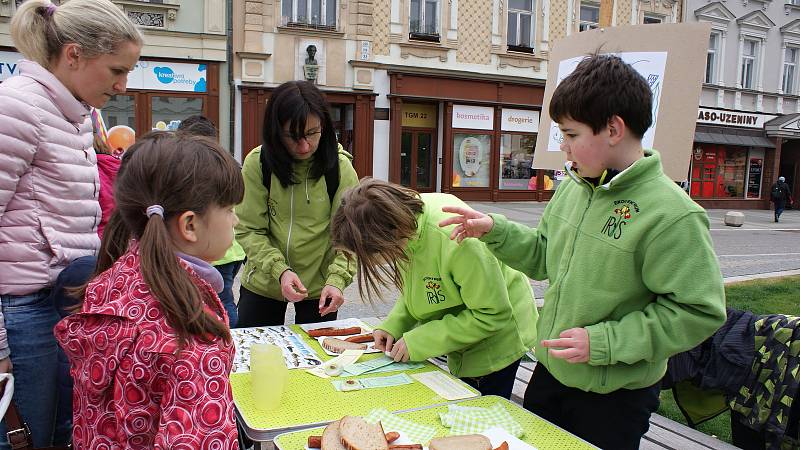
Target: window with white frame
[[590, 16], [790, 70], [711, 57], [424, 18], [652, 18], [749, 69], [521, 23], [796, 2], [309, 13]]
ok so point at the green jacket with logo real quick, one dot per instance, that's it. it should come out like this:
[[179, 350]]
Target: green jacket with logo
[[632, 262], [290, 228], [459, 300]]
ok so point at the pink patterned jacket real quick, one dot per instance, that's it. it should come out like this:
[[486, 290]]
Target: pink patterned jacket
[[133, 388]]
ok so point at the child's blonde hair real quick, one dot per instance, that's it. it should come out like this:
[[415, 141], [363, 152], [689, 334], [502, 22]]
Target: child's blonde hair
[[374, 223], [40, 29]]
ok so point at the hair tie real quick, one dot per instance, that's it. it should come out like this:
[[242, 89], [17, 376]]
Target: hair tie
[[155, 209], [51, 9]]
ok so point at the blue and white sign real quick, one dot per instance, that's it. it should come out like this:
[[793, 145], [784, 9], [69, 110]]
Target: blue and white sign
[[168, 76], [9, 64]]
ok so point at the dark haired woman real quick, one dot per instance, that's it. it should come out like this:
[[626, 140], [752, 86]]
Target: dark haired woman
[[457, 300], [293, 186]]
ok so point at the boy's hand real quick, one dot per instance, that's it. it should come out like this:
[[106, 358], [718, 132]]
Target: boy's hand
[[383, 340], [399, 351], [470, 223], [291, 287], [574, 345]]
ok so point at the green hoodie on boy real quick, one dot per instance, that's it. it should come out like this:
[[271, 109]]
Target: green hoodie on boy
[[632, 262], [289, 229], [459, 300]]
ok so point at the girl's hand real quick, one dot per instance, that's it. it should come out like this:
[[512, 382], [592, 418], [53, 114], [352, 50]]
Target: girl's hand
[[291, 287], [332, 296], [470, 223], [399, 351], [574, 345], [383, 340]]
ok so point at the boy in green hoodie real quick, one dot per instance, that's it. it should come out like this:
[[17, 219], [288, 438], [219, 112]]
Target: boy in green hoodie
[[633, 274]]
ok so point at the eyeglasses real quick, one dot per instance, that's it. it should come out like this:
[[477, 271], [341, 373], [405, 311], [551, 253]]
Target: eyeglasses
[[314, 136]]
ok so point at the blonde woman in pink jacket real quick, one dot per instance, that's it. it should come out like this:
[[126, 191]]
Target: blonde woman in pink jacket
[[78, 55]]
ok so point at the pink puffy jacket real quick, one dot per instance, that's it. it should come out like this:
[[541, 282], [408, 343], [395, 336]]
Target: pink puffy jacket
[[48, 181]]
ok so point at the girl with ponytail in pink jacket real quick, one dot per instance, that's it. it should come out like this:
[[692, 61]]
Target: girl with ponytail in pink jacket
[[77, 56]]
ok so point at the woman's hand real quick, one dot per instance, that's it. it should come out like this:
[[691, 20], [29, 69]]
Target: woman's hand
[[399, 351], [291, 287], [383, 340], [330, 300], [469, 223]]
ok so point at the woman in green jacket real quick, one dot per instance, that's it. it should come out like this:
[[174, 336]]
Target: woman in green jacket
[[455, 300], [293, 185]]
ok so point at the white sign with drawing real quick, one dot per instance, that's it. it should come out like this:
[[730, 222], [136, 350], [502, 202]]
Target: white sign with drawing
[[649, 64]]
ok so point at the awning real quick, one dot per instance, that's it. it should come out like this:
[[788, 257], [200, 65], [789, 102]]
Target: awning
[[733, 139]]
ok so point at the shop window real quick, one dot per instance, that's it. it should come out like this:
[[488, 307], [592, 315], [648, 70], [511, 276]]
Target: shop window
[[790, 70], [318, 14], [652, 19], [516, 162], [590, 16], [550, 179], [711, 57], [120, 110], [749, 69], [731, 172], [423, 23], [171, 110], [521, 25], [471, 160]]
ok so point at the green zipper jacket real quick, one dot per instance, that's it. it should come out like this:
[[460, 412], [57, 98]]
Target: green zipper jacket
[[632, 262], [291, 229], [460, 300]]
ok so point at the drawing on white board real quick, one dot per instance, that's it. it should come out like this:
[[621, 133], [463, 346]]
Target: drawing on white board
[[650, 65]]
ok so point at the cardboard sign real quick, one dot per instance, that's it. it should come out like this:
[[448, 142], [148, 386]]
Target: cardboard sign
[[672, 59]]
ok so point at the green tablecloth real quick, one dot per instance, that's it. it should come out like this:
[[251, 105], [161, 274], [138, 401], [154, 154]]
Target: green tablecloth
[[309, 400], [538, 432]]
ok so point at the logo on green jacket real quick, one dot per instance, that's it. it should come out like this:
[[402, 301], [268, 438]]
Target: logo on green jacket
[[272, 207], [433, 286], [624, 210]]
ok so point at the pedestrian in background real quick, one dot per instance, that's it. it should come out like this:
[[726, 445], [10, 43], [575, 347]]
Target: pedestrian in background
[[78, 55], [781, 195]]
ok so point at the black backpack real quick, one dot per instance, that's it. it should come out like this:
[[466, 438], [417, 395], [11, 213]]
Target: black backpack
[[777, 192], [331, 176]]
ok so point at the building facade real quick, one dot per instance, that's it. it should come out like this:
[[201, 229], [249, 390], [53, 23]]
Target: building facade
[[747, 125], [182, 70], [279, 41]]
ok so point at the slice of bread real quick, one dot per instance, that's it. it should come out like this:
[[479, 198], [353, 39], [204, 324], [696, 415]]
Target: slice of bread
[[358, 434], [464, 442], [331, 439], [335, 345]]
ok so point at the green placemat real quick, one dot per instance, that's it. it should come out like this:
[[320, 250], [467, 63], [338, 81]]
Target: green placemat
[[310, 400], [538, 432]]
